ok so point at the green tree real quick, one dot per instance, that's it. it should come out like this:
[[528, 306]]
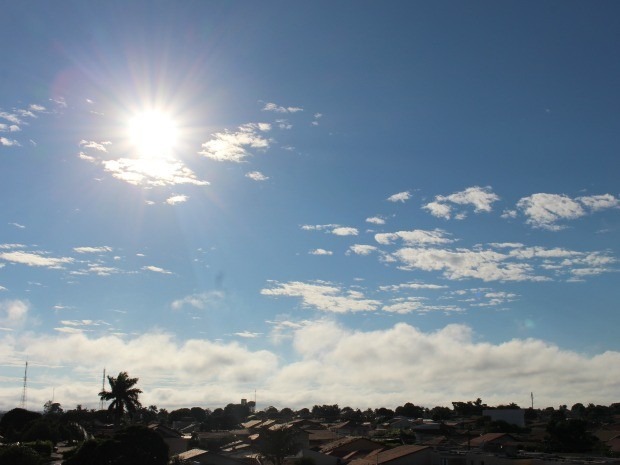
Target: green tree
[[569, 436], [123, 394], [277, 444], [15, 422], [134, 445]]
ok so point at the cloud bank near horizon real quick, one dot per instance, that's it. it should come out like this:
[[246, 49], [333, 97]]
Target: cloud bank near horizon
[[329, 364]]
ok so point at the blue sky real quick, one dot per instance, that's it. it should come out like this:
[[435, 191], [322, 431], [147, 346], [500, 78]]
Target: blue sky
[[362, 203]]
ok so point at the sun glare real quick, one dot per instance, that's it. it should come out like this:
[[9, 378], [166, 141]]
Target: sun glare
[[153, 134]]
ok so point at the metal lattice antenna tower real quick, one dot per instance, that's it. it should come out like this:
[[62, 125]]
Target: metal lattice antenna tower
[[102, 387], [23, 403]]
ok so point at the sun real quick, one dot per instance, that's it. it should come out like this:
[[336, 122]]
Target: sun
[[153, 134]]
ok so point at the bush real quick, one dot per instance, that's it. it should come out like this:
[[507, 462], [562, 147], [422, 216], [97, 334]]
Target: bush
[[19, 455]]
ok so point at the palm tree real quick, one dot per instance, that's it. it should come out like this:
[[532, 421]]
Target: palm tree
[[123, 394]]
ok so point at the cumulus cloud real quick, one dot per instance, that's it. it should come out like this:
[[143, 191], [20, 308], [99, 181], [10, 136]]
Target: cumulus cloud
[[481, 198], [176, 199], [327, 361], [323, 296], [234, 146], [375, 220], [9, 142], [362, 249], [170, 372], [415, 237], [13, 313], [345, 231], [544, 210], [321, 252], [256, 176], [399, 197]]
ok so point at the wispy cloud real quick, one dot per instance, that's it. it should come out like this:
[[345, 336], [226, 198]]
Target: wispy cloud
[[101, 249], [200, 301], [375, 220], [280, 109], [36, 259], [156, 173], [99, 146], [323, 296], [334, 229]]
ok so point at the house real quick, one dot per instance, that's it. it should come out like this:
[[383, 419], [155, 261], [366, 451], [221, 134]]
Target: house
[[177, 443], [351, 428], [350, 448], [401, 455], [204, 457], [491, 442], [319, 437]]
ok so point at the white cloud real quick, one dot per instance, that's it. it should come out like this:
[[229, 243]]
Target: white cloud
[[35, 259], [13, 313], [233, 146], [321, 252], [280, 109], [415, 237], [328, 363], [362, 249], [156, 269], [375, 220], [91, 144], [345, 231], [102, 249], [248, 334], [9, 142], [481, 198], [256, 176], [10, 117], [440, 210], [399, 197], [323, 296], [599, 202], [17, 225], [200, 301], [546, 210], [398, 287], [487, 265], [155, 173], [175, 199]]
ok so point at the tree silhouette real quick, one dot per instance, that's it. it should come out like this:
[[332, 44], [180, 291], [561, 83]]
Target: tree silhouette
[[123, 394]]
